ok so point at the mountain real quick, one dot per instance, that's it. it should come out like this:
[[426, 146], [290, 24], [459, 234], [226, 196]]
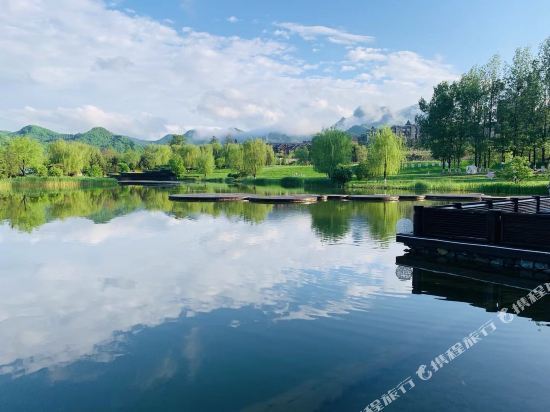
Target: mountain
[[365, 117], [103, 138], [98, 137], [40, 133]]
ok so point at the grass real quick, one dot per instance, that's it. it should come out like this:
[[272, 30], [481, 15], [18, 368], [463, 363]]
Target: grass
[[54, 183], [418, 176]]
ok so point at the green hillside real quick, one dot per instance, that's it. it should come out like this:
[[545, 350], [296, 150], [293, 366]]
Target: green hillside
[[104, 139], [98, 137]]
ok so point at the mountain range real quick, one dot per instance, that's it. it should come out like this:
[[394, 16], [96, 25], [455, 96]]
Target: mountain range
[[362, 119]]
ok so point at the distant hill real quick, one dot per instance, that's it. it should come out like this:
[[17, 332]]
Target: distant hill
[[103, 138], [98, 137]]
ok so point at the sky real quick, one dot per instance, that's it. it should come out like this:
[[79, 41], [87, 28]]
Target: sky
[[145, 68]]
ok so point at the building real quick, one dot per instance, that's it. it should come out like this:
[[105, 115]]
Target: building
[[410, 132]]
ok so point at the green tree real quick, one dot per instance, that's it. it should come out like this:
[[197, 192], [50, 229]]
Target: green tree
[[190, 155], [155, 155], [234, 156], [131, 157], [517, 169], [72, 157], [177, 140], [254, 156], [269, 155], [206, 162], [177, 166], [386, 153], [359, 153], [329, 149], [21, 155], [301, 154]]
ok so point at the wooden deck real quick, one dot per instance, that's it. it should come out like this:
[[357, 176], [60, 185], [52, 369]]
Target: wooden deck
[[302, 198]]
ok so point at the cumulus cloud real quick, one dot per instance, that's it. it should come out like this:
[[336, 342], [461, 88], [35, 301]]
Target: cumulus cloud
[[46, 300], [358, 54], [331, 34], [75, 64], [233, 19]]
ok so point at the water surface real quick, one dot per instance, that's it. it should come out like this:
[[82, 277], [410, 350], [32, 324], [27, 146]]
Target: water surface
[[118, 299]]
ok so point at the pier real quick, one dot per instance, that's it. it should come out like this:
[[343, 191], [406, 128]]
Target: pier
[[309, 198], [511, 234]]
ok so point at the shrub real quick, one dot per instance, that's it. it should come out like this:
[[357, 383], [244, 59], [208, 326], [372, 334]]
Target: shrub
[[361, 170], [55, 170], [421, 187], [41, 171], [122, 168], [342, 174], [97, 171], [517, 170]]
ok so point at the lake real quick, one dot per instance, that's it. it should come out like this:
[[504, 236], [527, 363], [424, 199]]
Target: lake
[[119, 299]]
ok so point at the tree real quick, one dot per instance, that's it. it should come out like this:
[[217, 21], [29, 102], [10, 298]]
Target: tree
[[517, 169], [206, 162], [190, 155], [301, 154], [234, 156], [329, 149], [269, 155], [177, 140], [71, 157], [177, 166], [254, 156], [21, 154], [359, 153], [131, 157], [155, 155], [386, 153]]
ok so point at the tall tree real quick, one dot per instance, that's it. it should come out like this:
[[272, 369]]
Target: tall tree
[[21, 154], [206, 162], [385, 154], [329, 149], [254, 156]]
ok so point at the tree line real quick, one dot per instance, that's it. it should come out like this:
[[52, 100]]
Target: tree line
[[21, 156], [493, 113]]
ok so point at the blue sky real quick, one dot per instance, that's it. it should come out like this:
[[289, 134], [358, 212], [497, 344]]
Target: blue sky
[[145, 68], [463, 32]]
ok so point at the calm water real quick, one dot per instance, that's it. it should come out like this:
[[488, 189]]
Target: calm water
[[122, 300]]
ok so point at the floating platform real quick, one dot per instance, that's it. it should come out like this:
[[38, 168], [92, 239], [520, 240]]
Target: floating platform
[[304, 198], [337, 197], [455, 196], [375, 198], [209, 197], [283, 199], [412, 197]]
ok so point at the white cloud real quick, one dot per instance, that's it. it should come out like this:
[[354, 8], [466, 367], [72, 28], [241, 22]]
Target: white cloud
[[75, 64], [233, 19], [358, 54], [45, 300], [331, 34]]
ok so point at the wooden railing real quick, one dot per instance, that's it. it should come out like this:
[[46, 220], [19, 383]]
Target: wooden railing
[[518, 222]]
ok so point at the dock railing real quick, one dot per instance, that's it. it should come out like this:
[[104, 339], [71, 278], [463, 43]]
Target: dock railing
[[516, 222]]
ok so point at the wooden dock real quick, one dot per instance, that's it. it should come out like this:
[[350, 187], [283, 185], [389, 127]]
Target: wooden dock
[[374, 198], [303, 198], [455, 196], [209, 197], [283, 199], [511, 234]]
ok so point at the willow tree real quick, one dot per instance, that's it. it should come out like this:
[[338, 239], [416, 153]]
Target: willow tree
[[385, 154], [329, 149]]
